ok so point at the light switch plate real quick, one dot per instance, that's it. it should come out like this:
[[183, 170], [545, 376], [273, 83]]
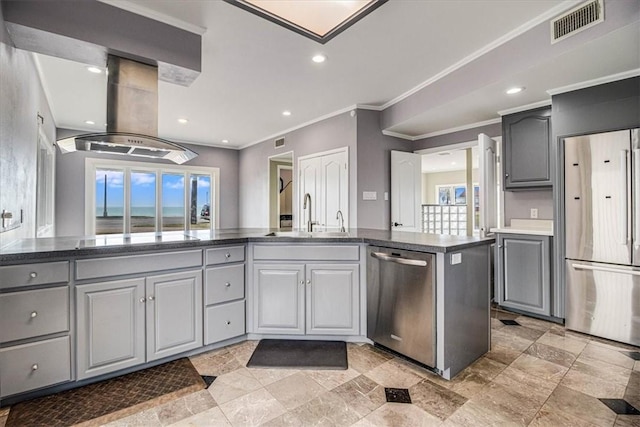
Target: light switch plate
[[369, 195], [456, 258], [534, 213], [386, 195]]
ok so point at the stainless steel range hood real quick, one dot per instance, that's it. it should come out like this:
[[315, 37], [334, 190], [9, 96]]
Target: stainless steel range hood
[[132, 117]]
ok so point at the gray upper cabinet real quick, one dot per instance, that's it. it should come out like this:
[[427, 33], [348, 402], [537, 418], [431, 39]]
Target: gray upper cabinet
[[526, 147], [332, 299], [524, 273]]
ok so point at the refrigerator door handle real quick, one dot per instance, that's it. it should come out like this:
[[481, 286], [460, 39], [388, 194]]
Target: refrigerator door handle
[[607, 269], [624, 219], [636, 238]]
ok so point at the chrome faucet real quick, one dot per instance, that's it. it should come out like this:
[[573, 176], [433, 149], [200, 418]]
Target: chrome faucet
[[341, 218], [310, 223]]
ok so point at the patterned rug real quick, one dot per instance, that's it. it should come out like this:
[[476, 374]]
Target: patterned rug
[[110, 400]]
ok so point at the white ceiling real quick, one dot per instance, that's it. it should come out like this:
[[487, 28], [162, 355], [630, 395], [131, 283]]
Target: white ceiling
[[252, 69], [448, 160]]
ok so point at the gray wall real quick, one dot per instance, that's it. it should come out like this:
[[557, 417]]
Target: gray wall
[[458, 137], [334, 132], [70, 182], [374, 169], [21, 100], [518, 204]]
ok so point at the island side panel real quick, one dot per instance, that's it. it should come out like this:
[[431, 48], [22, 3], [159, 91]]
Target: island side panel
[[463, 309]]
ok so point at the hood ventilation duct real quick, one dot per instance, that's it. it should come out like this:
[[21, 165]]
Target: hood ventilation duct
[[132, 117]]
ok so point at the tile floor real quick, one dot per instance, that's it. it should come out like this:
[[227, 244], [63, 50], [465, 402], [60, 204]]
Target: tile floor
[[536, 374]]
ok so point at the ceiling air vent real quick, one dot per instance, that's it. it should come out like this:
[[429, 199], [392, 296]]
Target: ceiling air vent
[[577, 19], [279, 142]]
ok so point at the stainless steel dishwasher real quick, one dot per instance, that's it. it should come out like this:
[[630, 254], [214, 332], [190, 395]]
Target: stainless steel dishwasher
[[401, 301]]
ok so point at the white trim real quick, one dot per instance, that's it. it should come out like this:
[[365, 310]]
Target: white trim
[[565, 5], [324, 153], [300, 126], [448, 147], [155, 15], [275, 158], [48, 229], [595, 82], [398, 135], [527, 107], [278, 169], [369, 107], [91, 164], [458, 128]]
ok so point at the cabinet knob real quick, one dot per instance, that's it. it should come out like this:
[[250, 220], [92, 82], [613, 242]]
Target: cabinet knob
[[142, 299], [34, 367], [34, 314], [33, 274], [506, 175], [308, 282], [227, 255], [228, 322], [151, 298], [228, 285], [302, 282]]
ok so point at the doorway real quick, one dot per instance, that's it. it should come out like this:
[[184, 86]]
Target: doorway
[[281, 191]]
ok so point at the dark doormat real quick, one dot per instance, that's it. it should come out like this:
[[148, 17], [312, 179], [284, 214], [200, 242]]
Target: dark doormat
[[299, 354], [109, 400]]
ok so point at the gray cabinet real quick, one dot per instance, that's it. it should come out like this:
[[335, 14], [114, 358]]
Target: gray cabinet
[[526, 139], [332, 299], [524, 273], [279, 298], [128, 322]]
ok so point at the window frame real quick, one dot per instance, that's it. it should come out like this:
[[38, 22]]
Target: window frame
[[93, 164]]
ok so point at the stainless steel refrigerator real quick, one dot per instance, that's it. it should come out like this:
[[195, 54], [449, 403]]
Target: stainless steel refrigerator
[[602, 224]]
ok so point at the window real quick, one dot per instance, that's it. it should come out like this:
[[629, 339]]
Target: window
[[45, 186], [456, 194], [133, 197]]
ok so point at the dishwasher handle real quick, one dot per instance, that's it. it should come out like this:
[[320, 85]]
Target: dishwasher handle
[[399, 260]]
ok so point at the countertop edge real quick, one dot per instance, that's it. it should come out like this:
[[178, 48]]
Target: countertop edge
[[531, 231]]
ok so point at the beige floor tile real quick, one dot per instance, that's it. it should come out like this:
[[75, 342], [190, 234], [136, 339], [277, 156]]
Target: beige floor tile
[[547, 418], [362, 394], [288, 419], [503, 354], [636, 366], [212, 417], [632, 393], [607, 354], [243, 351], [539, 368], [327, 409], [401, 415], [533, 323], [365, 358], [393, 374], [627, 421], [216, 363], [562, 332], [4, 412], [252, 409], [564, 400], [496, 324], [518, 405], [520, 381], [551, 354], [472, 414], [199, 401], [600, 369], [504, 338], [148, 417], [330, 379], [3, 420], [295, 390], [435, 399], [173, 412], [233, 385], [471, 380], [363, 422], [502, 314], [523, 332], [566, 343], [613, 345], [269, 376]]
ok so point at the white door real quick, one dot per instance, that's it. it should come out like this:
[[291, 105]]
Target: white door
[[488, 185], [406, 191], [334, 194], [309, 182]]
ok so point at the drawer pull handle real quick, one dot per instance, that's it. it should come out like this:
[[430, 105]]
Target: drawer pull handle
[[151, 298], [227, 255], [228, 322], [33, 274], [228, 285], [34, 314], [142, 299], [34, 367]]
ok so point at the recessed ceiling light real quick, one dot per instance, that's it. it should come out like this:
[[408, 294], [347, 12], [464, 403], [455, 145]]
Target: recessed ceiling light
[[95, 70], [225, 141], [444, 153], [319, 58], [90, 122], [286, 113], [183, 121], [514, 90], [453, 163]]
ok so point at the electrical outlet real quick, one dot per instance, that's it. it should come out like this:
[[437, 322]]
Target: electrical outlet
[[534, 213]]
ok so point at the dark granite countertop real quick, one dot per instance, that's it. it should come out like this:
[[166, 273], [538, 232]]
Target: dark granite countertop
[[83, 246]]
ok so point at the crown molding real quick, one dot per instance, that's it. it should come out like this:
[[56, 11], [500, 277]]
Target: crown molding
[[458, 128], [595, 82], [398, 135], [539, 104]]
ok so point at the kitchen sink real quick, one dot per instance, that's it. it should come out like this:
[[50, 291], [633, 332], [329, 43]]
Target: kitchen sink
[[305, 234]]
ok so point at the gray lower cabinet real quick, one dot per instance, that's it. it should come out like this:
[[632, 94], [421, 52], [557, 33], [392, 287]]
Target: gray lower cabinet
[[320, 299], [524, 273], [129, 322]]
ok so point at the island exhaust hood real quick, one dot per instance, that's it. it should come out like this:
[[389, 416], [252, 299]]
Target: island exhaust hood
[[132, 117]]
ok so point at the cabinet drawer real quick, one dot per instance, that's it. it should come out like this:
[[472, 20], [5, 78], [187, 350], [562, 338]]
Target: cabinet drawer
[[224, 284], [310, 252], [225, 255], [13, 276], [33, 313], [223, 321], [136, 264], [36, 365]]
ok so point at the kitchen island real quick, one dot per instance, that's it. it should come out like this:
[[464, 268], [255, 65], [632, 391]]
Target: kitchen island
[[109, 305]]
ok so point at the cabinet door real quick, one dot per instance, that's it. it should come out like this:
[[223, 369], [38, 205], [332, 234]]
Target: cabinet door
[[174, 313], [527, 145], [279, 298], [309, 172], [110, 325], [334, 190], [525, 276], [332, 299]]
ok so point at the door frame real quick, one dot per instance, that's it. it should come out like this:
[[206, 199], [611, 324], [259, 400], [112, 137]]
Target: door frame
[[278, 169], [274, 158]]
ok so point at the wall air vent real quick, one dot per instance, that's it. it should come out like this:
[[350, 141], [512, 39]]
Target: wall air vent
[[279, 142], [577, 19]]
